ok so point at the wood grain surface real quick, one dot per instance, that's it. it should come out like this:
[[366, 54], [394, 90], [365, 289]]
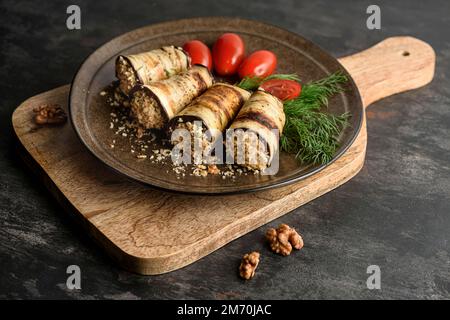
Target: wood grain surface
[[149, 231]]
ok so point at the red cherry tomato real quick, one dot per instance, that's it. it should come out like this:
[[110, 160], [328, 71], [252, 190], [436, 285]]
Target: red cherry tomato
[[199, 52], [282, 89], [228, 53], [260, 63]]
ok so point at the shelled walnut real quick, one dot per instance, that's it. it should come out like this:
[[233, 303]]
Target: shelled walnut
[[49, 114], [283, 238], [248, 265]]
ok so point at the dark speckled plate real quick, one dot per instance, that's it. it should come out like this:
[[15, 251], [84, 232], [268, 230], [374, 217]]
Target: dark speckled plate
[[90, 114]]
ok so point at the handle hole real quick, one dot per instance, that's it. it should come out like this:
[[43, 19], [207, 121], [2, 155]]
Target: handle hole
[[406, 53]]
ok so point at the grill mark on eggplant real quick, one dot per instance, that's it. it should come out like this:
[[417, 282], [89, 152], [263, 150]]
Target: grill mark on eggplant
[[153, 60], [236, 94], [240, 97], [211, 102], [163, 86], [201, 83], [173, 57], [258, 117], [217, 101]]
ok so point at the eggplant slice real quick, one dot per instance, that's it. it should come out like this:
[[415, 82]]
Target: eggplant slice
[[146, 67], [154, 104], [257, 119]]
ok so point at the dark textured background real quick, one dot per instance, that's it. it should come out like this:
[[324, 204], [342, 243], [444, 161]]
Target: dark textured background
[[395, 213]]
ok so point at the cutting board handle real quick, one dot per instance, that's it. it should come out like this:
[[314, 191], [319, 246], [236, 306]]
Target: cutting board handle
[[392, 66]]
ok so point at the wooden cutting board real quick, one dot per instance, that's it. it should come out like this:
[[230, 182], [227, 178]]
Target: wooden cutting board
[[149, 231]]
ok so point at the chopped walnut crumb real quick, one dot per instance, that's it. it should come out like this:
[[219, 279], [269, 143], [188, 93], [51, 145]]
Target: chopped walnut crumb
[[283, 238], [165, 152], [248, 265], [139, 132], [212, 169], [49, 114], [200, 171]]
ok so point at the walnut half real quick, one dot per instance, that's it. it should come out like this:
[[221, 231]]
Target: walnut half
[[248, 265], [283, 238], [49, 114]]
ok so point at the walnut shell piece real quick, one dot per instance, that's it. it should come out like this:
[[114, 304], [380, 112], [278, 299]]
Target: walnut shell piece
[[248, 265], [283, 239], [51, 114]]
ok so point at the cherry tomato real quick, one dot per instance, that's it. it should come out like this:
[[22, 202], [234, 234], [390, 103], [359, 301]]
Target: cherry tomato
[[228, 53], [199, 52], [260, 63], [282, 89]]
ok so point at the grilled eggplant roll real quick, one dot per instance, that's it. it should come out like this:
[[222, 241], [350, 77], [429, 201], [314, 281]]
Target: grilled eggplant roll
[[213, 110], [146, 67], [261, 114], [154, 104]]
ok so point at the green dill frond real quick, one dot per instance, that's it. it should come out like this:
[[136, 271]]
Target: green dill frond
[[310, 134], [281, 76]]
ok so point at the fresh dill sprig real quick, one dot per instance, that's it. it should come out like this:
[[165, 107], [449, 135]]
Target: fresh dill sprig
[[309, 133], [252, 83]]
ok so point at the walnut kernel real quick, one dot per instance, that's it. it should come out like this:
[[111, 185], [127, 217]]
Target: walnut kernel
[[283, 238], [248, 265], [49, 114]]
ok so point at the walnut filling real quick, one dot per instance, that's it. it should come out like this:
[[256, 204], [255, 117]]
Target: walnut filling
[[126, 75], [147, 111], [198, 133], [253, 154]]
